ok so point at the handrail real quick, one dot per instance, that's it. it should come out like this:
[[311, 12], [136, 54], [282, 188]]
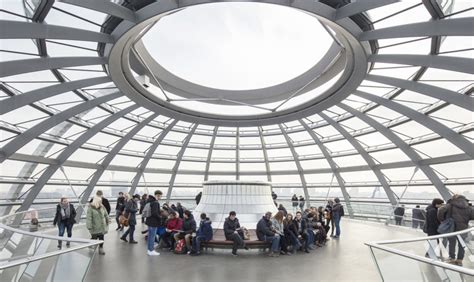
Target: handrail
[[459, 269], [422, 238], [444, 265]]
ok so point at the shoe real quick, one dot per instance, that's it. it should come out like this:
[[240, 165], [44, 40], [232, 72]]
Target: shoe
[[235, 254], [124, 239], [282, 253], [60, 247], [101, 251], [133, 242], [336, 237], [144, 231], [311, 247], [306, 251], [288, 253], [152, 253], [458, 262], [451, 261], [189, 252], [246, 248], [68, 244]]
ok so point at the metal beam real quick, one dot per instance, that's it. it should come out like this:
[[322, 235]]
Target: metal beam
[[27, 30], [360, 6], [381, 178], [265, 154], [35, 131], [68, 151], [412, 154], [174, 171], [26, 98], [30, 65], [148, 156], [105, 6], [437, 127], [209, 153], [333, 165], [298, 165], [452, 97], [108, 159], [432, 61], [451, 27]]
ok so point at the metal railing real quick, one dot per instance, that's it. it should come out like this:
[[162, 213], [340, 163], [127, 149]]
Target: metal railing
[[421, 259]]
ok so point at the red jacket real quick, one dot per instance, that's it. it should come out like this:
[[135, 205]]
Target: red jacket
[[174, 224]]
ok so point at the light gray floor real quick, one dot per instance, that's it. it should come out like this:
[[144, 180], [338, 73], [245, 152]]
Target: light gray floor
[[345, 259]]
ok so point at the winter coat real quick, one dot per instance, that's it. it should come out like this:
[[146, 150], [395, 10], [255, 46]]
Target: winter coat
[[304, 226], [189, 225], [230, 226], [302, 201], [120, 204], [106, 205], [67, 221], [461, 212], [277, 226], [264, 228], [294, 201], [198, 198], [432, 221], [205, 229], [399, 211], [175, 224], [131, 208], [337, 210], [154, 220], [97, 220]]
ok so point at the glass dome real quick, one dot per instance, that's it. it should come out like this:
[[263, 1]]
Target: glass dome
[[70, 127]]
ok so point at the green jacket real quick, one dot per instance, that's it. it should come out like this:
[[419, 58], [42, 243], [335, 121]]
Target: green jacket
[[97, 220]]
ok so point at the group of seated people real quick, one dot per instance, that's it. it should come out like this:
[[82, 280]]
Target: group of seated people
[[286, 234]]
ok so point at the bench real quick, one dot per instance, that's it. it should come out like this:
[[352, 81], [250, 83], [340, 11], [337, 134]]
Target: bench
[[219, 242]]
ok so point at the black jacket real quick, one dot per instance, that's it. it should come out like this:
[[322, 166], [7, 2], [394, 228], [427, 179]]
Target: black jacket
[[264, 228], [290, 227], [294, 201], [282, 208], [120, 204], [461, 212], [198, 198], [189, 225], [230, 226], [399, 211], [155, 219], [432, 221], [106, 204], [304, 226], [70, 220]]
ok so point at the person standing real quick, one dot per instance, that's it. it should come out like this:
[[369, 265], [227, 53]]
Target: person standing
[[294, 202], [131, 208], [329, 218], [399, 212], [301, 203], [105, 202], [460, 211], [97, 221], [143, 202], [153, 222], [65, 218], [417, 217], [119, 209], [233, 232], [338, 212], [432, 223]]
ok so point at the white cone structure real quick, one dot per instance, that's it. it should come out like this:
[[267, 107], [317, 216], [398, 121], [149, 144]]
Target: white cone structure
[[250, 200]]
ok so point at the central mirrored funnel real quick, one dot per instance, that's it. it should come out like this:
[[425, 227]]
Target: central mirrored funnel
[[249, 199]]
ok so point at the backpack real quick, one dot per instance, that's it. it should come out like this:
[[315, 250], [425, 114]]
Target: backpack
[[146, 210], [180, 247], [342, 211]]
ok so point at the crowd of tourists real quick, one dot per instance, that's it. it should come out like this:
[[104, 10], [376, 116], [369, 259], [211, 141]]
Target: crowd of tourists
[[173, 227]]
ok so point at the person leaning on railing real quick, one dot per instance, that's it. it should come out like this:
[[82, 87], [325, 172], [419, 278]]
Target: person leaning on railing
[[459, 210]]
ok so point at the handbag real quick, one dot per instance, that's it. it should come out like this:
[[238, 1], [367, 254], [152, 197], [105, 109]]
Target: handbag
[[447, 226], [123, 220], [246, 233]]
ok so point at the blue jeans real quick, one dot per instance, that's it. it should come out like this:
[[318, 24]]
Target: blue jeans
[[62, 226], [337, 220], [151, 238], [310, 237], [197, 243], [131, 231], [275, 240]]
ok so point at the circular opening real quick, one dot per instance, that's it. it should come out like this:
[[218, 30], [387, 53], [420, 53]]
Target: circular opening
[[237, 46]]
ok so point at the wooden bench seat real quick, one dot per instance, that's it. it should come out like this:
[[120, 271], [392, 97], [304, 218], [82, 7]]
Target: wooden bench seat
[[219, 242]]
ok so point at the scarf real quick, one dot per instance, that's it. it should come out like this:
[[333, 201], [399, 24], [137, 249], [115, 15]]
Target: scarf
[[65, 212]]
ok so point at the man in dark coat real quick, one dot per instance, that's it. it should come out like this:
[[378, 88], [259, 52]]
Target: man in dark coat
[[153, 222], [399, 212], [267, 234], [460, 211], [233, 232], [417, 217]]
